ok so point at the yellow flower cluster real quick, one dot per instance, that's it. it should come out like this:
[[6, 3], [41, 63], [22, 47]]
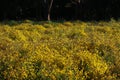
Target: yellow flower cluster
[[60, 51]]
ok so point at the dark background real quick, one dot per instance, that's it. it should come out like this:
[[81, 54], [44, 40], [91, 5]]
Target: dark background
[[61, 10]]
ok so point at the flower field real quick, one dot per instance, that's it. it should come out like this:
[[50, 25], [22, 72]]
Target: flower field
[[60, 50]]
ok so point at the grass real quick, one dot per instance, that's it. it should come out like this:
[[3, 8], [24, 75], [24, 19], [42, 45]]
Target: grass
[[60, 50]]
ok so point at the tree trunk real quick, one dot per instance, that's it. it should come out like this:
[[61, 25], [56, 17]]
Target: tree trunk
[[48, 17], [77, 11], [49, 10], [77, 4]]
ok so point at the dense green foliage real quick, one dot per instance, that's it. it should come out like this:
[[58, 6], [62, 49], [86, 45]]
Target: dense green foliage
[[60, 51]]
